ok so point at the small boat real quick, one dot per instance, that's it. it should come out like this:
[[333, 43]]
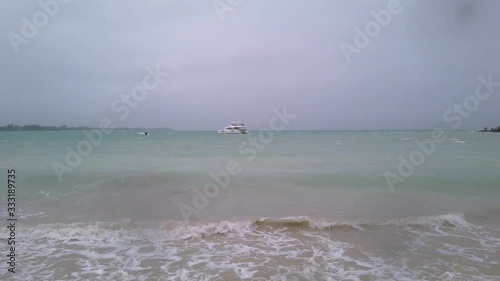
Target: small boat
[[236, 127], [143, 133]]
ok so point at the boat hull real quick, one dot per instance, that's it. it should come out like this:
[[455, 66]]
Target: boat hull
[[231, 132]]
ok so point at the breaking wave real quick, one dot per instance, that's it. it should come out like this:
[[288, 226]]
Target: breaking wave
[[175, 231]]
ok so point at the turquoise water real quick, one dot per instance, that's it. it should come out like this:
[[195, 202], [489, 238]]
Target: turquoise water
[[304, 205]]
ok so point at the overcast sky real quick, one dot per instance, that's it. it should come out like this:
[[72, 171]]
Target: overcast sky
[[262, 55]]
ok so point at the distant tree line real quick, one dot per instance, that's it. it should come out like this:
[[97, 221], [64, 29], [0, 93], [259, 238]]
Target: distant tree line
[[36, 127], [493, 130]]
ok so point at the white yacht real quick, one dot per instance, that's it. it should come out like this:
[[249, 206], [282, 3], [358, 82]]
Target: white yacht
[[236, 127]]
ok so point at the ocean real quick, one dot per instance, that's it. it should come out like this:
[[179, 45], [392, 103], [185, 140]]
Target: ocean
[[292, 205]]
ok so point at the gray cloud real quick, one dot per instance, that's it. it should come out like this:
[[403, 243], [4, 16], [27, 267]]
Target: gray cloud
[[264, 54]]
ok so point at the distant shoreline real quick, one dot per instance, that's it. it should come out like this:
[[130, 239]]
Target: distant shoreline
[[492, 130], [35, 127], [32, 128]]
